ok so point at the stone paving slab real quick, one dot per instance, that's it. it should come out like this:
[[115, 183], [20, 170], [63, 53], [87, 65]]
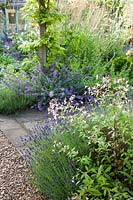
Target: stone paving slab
[[14, 136], [31, 116], [15, 127], [8, 124]]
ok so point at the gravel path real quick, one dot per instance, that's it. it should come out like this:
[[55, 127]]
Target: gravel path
[[13, 182]]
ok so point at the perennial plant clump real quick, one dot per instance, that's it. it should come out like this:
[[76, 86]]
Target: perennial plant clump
[[90, 154], [54, 83], [11, 102]]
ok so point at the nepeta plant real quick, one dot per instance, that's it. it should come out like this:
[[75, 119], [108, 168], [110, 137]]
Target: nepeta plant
[[54, 83]]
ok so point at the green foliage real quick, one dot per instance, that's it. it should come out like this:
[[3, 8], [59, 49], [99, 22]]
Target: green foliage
[[106, 171], [4, 5], [110, 46], [22, 43], [45, 14], [11, 102], [41, 12], [6, 59], [27, 65], [52, 170], [1, 49], [79, 46], [84, 48], [119, 63], [123, 65], [99, 146], [104, 166], [7, 62]]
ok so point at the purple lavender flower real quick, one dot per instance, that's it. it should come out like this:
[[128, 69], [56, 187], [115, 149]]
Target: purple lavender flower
[[51, 94], [55, 73], [35, 94]]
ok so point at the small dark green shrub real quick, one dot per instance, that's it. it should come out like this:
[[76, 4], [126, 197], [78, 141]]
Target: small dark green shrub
[[123, 65]]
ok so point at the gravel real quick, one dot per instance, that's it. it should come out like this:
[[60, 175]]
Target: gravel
[[13, 174]]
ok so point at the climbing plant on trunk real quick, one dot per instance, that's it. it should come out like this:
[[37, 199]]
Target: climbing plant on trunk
[[44, 14]]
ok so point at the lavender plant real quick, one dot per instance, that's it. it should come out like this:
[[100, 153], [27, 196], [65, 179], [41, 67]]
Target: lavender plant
[[52, 171], [92, 150]]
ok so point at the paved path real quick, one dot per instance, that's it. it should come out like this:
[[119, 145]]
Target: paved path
[[16, 126]]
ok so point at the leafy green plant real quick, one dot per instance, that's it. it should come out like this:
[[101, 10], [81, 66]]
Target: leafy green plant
[[27, 64], [20, 47], [7, 62], [123, 65], [1, 49], [79, 46], [6, 59], [45, 14], [11, 102], [105, 172], [98, 145], [84, 48], [101, 146]]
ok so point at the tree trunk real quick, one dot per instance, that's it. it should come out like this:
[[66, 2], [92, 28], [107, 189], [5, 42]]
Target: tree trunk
[[43, 48]]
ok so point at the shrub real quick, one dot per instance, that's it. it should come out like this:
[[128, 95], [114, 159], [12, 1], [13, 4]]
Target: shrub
[[119, 63], [6, 59], [21, 43], [98, 145], [105, 171], [27, 64], [124, 65], [8, 63]]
